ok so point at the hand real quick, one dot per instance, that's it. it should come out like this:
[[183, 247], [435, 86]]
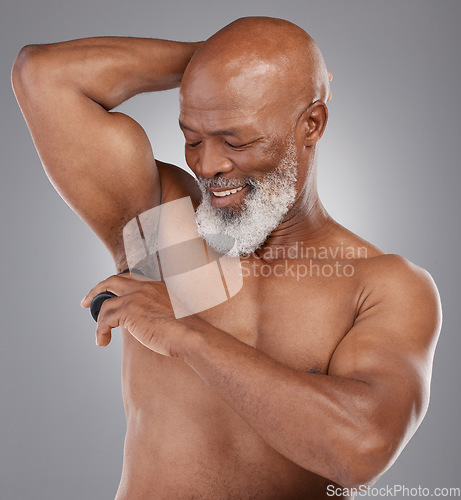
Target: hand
[[143, 307]]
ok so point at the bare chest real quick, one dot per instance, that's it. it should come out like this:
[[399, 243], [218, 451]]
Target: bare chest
[[298, 321]]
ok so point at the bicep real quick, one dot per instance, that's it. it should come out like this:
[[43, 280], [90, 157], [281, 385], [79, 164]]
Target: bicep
[[390, 347], [100, 162]]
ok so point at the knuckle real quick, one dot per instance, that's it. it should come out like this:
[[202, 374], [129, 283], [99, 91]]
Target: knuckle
[[104, 312]]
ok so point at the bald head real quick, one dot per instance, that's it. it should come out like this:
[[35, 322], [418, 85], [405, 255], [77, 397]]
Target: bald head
[[259, 60], [252, 112]]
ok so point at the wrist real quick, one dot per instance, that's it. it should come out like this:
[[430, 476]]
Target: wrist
[[190, 48], [191, 339]]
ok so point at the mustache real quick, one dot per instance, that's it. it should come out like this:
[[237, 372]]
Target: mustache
[[223, 182]]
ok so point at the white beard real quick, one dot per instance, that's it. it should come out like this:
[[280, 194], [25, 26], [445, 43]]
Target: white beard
[[240, 233]]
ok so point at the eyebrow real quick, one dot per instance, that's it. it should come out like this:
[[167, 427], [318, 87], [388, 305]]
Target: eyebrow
[[231, 131]]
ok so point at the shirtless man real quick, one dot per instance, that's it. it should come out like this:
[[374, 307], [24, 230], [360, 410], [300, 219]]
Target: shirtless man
[[292, 386]]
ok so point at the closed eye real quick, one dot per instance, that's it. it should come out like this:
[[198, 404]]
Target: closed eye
[[234, 146], [193, 144]]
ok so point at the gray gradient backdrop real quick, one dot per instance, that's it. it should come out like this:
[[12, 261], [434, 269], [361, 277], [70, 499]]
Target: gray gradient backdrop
[[389, 171]]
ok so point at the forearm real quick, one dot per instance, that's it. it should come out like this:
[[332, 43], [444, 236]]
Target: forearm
[[320, 422], [108, 70]]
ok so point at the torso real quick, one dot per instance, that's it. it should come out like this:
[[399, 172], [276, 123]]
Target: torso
[[183, 441]]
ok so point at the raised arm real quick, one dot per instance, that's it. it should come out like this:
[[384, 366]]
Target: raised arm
[[100, 162]]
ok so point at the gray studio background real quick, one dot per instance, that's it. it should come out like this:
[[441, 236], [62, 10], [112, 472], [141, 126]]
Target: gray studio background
[[389, 171]]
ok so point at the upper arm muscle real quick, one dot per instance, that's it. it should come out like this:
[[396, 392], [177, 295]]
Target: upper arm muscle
[[100, 162], [391, 344]]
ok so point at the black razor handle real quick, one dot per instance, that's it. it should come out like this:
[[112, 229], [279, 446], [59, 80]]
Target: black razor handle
[[97, 303]]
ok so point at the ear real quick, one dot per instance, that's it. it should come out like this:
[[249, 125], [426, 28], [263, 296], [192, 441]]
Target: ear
[[313, 122]]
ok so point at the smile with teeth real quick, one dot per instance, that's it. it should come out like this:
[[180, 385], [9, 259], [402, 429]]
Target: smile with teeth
[[220, 194]]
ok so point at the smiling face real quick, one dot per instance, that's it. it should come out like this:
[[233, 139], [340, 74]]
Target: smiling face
[[242, 149], [262, 204], [243, 106]]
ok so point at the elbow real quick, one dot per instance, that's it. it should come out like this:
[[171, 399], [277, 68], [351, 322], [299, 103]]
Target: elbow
[[23, 60], [25, 68], [365, 463]]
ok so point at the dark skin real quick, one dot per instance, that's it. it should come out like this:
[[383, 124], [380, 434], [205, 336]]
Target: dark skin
[[291, 385]]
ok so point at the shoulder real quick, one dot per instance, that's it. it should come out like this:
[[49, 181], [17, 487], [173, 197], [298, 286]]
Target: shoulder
[[394, 285], [397, 321], [385, 279], [395, 271]]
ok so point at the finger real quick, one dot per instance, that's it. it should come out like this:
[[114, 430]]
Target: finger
[[103, 340], [109, 317], [117, 284]]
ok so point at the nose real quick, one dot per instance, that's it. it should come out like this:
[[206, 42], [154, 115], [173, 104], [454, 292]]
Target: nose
[[211, 161]]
